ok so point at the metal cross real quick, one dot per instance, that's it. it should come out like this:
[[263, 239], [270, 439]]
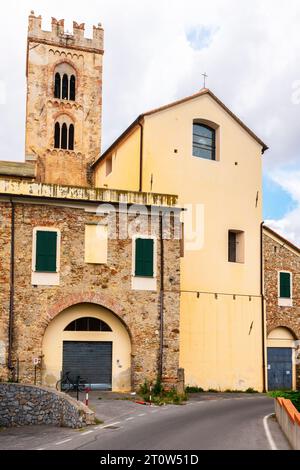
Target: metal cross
[[205, 77]]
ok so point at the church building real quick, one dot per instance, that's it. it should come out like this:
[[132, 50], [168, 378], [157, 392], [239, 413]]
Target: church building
[[183, 290]]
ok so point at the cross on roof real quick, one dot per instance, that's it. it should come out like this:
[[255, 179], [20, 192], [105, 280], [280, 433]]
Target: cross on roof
[[205, 76]]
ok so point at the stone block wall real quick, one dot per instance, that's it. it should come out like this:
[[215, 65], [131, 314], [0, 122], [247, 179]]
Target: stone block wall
[[108, 285], [5, 235], [278, 257], [27, 405]]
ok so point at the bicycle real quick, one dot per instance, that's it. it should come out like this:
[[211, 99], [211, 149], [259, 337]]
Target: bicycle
[[66, 384]]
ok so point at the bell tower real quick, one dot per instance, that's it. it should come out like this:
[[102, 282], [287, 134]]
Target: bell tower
[[64, 101]]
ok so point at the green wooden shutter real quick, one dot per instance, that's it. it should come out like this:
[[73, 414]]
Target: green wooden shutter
[[144, 248], [285, 285], [46, 243]]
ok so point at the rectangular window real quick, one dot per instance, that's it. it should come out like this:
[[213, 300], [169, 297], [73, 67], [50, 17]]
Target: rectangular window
[[236, 246], [96, 244], [204, 141], [285, 285], [46, 252], [144, 252], [108, 165]]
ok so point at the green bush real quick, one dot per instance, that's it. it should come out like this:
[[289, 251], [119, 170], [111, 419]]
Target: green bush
[[160, 396], [189, 389], [294, 396]]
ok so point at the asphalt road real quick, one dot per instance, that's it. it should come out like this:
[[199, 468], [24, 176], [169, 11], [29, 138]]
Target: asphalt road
[[207, 421], [231, 424]]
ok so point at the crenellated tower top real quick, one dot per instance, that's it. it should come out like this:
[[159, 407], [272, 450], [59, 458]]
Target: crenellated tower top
[[59, 37]]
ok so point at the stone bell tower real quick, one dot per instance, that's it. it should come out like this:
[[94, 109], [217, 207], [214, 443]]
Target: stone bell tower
[[64, 101]]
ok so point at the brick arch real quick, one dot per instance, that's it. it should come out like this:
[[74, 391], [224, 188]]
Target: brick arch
[[101, 299], [63, 112], [283, 325]]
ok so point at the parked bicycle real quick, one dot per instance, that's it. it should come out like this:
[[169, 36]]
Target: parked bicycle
[[67, 384]]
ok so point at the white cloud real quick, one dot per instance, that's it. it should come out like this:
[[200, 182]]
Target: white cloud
[[250, 54], [289, 225]]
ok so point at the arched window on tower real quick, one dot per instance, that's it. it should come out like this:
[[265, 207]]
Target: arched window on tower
[[71, 137], [64, 81], [65, 87], [57, 85], [72, 88], [57, 135], [64, 136]]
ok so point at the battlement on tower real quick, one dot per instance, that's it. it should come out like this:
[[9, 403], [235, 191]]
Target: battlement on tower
[[59, 37]]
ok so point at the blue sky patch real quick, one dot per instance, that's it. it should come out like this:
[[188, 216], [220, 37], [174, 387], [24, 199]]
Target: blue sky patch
[[200, 37], [277, 202]]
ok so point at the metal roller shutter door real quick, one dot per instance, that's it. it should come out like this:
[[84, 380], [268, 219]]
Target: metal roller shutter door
[[91, 360]]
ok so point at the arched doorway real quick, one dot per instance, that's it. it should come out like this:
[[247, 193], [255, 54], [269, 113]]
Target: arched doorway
[[281, 361], [90, 341]]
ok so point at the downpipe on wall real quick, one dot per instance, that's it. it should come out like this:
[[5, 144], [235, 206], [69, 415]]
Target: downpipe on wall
[[11, 288]]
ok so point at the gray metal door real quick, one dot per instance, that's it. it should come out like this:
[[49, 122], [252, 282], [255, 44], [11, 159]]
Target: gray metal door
[[91, 360], [280, 369]]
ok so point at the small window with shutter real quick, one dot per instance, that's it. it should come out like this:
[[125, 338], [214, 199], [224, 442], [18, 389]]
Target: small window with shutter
[[46, 251], [144, 251], [285, 285]]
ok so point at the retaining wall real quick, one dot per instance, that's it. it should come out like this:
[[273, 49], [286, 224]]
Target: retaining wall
[[289, 420], [29, 404]]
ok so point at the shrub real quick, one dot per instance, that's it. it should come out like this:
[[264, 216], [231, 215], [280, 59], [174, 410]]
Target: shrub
[[294, 396], [189, 389]]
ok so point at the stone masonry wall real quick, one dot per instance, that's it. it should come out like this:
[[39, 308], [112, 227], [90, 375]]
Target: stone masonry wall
[[283, 259], [27, 405], [107, 285], [278, 257], [5, 234]]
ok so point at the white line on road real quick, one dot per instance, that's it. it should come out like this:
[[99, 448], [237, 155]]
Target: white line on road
[[42, 448], [268, 433], [154, 411], [86, 432], [62, 442], [111, 424], [129, 419], [142, 414]]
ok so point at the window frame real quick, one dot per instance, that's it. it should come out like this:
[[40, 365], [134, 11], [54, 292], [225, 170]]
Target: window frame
[[213, 147], [285, 301], [146, 237], [88, 318], [34, 249], [240, 242]]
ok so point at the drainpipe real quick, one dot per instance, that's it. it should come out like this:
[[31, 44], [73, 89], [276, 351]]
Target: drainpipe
[[11, 287], [262, 304], [141, 156], [161, 313]]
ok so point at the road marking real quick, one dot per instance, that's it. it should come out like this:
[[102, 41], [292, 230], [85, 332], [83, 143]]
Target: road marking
[[142, 414], [111, 424], [268, 433], [154, 411], [42, 448], [129, 419], [62, 442], [86, 432]]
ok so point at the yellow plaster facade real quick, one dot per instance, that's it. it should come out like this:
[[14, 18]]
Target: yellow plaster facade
[[221, 336]]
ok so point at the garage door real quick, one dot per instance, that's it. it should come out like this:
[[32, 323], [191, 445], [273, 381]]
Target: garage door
[[280, 369], [91, 360]]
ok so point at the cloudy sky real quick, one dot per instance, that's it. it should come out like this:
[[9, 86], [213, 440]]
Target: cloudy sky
[[156, 51]]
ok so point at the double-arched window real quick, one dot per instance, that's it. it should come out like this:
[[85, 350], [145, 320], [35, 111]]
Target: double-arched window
[[64, 135], [64, 82]]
